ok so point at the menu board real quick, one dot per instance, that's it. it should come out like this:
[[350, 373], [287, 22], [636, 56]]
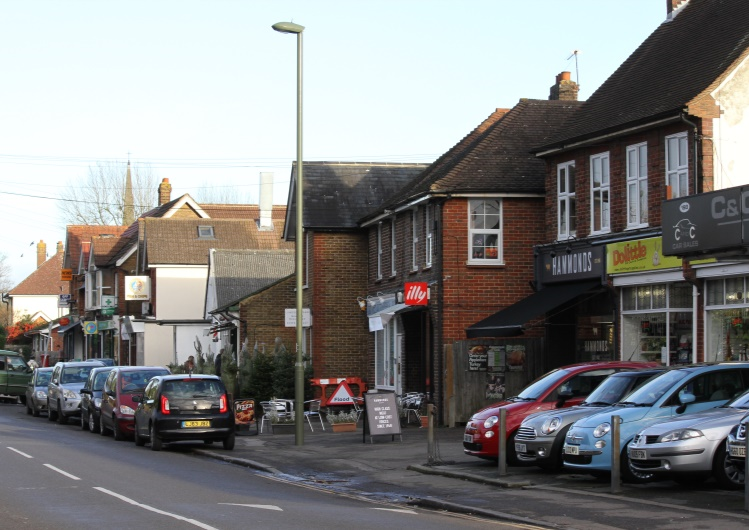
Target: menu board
[[382, 413]]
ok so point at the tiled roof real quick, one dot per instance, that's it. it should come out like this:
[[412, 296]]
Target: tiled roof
[[176, 241], [104, 248], [45, 280], [241, 273], [682, 59], [337, 194], [495, 156], [76, 234]]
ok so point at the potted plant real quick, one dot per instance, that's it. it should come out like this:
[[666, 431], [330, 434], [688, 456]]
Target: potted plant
[[343, 421]]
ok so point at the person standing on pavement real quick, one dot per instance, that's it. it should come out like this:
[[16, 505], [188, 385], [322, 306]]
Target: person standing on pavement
[[190, 364], [217, 364]]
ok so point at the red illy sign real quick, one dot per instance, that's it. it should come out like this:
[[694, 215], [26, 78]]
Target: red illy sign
[[416, 293]]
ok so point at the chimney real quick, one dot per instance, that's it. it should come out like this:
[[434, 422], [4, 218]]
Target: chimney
[[41, 253], [266, 201], [60, 248], [673, 7], [165, 192], [564, 89]]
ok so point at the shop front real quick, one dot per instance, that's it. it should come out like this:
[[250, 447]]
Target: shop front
[[656, 304]]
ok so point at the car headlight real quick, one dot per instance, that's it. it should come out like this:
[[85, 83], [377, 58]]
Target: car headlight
[[69, 394], [680, 434], [124, 409], [602, 430], [490, 422], [551, 425], [41, 394], [97, 403]]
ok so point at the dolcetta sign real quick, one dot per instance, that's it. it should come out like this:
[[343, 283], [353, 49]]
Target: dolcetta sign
[[639, 255]]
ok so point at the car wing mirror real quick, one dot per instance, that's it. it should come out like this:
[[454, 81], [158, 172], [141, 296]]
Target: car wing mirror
[[137, 398]]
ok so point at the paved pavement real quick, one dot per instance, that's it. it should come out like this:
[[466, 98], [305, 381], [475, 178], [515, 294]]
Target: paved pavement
[[412, 470]]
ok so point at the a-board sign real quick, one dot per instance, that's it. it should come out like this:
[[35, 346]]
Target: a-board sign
[[382, 413], [244, 411]]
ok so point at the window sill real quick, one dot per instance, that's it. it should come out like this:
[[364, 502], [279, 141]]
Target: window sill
[[483, 263]]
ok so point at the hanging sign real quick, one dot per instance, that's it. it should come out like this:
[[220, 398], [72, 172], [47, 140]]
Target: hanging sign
[[416, 293], [137, 288], [90, 327]]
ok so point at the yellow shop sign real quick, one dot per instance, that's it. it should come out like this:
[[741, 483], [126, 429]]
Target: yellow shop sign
[[638, 256]]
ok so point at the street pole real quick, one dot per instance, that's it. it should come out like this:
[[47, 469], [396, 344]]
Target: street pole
[[290, 27]]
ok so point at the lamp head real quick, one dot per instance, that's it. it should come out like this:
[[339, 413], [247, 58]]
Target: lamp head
[[288, 27]]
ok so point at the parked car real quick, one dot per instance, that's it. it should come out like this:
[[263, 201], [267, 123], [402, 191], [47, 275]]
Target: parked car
[[181, 407], [91, 398], [36, 391], [675, 392], [14, 376], [63, 391], [106, 361], [736, 447], [692, 448], [562, 387], [117, 404], [540, 438]]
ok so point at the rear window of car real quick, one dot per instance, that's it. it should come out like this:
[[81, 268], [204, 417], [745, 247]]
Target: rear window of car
[[42, 378], [192, 388], [139, 379], [75, 374]]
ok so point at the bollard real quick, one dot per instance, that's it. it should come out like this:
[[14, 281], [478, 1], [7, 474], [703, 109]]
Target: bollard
[[616, 485], [502, 442], [432, 457]]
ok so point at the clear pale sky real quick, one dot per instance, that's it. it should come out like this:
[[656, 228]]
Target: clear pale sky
[[205, 91]]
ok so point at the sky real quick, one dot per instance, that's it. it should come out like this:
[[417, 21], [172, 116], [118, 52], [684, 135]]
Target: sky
[[204, 92]]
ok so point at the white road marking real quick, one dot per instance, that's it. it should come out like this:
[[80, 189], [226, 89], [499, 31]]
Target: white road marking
[[155, 510], [60, 471], [20, 452], [397, 510], [261, 506]]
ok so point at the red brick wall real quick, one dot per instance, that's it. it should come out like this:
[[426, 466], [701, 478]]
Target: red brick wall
[[263, 316]]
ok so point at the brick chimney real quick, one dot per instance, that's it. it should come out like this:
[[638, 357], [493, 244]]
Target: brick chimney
[[165, 192], [564, 89], [41, 253], [60, 248], [673, 7]]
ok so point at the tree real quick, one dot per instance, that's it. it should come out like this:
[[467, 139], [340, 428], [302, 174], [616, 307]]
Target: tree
[[106, 199]]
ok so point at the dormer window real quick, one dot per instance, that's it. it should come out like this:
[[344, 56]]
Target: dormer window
[[205, 232]]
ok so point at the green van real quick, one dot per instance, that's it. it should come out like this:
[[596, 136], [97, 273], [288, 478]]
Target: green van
[[15, 375]]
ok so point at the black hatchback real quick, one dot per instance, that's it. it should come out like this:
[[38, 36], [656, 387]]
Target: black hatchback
[[177, 408]]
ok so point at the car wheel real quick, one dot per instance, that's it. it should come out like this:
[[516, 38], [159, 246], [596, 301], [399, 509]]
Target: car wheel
[[84, 422], [28, 408], [630, 474], [229, 442], [139, 440], [156, 443], [102, 428], [93, 425], [61, 419], [51, 414], [118, 434], [34, 410], [727, 474]]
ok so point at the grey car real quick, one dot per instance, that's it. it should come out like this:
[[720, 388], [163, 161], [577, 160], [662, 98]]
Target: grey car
[[91, 398], [692, 448], [540, 438], [36, 391], [63, 391]]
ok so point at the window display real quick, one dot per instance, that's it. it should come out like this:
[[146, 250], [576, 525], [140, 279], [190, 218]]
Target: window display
[[727, 323]]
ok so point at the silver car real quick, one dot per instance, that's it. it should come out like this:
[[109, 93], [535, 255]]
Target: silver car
[[540, 438], [64, 389], [692, 448], [36, 392]]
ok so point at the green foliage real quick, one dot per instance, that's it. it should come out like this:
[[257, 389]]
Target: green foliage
[[264, 375]]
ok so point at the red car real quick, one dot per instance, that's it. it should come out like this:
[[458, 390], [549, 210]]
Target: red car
[[563, 387]]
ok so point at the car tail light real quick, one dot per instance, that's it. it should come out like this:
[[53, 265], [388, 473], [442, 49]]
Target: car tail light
[[164, 405], [222, 403]]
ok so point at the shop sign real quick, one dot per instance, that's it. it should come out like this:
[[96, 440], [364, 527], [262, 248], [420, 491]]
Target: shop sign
[[637, 256], [416, 293], [64, 300], [707, 222], [290, 317], [90, 327], [563, 263], [109, 311], [106, 324], [137, 288], [66, 275]]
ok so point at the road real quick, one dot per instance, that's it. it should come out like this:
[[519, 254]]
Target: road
[[60, 477]]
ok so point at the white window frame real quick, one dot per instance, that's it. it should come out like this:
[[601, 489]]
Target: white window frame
[[428, 233], [393, 246], [600, 194], [677, 164], [379, 251], [479, 236], [637, 185], [415, 239], [94, 281], [566, 201], [386, 355]]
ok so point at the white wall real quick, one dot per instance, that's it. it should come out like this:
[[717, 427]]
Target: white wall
[[731, 130], [180, 292], [29, 305], [158, 345]]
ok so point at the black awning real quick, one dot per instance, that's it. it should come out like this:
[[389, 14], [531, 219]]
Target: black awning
[[509, 321]]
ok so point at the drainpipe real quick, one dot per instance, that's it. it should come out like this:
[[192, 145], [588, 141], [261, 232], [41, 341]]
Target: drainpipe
[[696, 171]]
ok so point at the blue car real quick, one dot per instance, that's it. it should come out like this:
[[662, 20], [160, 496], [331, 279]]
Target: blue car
[[677, 391]]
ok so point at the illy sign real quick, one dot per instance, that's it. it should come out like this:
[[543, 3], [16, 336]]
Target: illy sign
[[416, 293]]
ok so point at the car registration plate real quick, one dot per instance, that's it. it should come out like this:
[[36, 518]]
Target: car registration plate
[[737, 450], [638, 454], [520, 448], [194, 424], [468, 438], [571, 450]]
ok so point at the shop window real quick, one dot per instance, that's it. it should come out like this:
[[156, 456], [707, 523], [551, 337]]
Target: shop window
[[727, 322]]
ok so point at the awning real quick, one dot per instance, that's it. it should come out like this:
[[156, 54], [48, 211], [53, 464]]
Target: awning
[[509, 321], [377, 320], [63, 329]]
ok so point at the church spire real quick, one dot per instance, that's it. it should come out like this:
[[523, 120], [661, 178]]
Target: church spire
[[128, 211]]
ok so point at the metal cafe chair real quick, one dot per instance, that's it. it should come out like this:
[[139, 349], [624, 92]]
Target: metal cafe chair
[[280, 408], [313, 409]]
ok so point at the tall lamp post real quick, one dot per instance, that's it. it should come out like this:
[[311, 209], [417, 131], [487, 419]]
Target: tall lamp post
[[290, 27]]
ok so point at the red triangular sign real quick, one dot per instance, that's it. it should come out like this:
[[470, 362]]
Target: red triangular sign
[[342, 395]]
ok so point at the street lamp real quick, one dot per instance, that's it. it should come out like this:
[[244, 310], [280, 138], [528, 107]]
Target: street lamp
[[290, 27]]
